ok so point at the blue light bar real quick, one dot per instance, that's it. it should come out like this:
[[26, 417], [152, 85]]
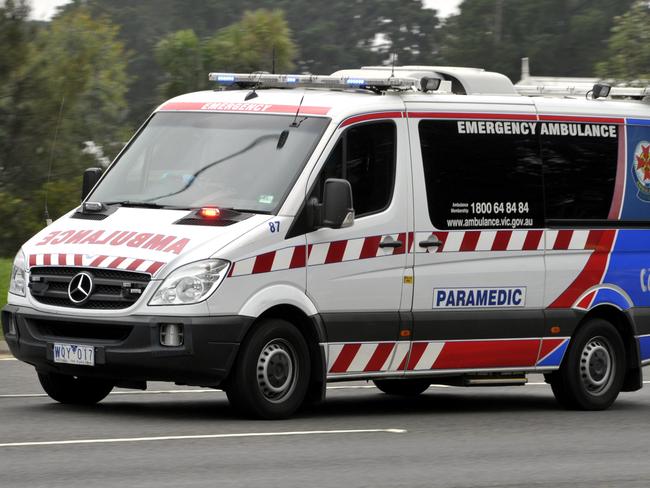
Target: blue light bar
[[356, 81], [270, 80], [226, 79]]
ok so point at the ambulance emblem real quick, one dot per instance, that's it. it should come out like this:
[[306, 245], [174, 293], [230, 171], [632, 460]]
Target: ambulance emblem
[[641, 170]]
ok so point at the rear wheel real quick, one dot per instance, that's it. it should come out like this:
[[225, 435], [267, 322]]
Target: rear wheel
[[592, 373], [271, 374], [409, 387], [74, 390]]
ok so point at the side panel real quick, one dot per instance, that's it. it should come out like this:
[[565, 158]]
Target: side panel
[[613, 267], [479, 293], [356, 282]]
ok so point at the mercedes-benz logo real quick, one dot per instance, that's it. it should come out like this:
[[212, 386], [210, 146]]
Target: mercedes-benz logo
[[80, 288]]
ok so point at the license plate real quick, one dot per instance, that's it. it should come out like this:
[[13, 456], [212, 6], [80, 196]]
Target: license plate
[[74, 354]]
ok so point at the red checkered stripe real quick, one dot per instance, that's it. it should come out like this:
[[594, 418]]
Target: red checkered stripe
[[511, 240], [96, 261], [438, 355], [317, 254], [452, 241], [366, 357]]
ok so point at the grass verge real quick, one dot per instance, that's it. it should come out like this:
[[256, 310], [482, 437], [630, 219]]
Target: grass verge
[[5, 271]]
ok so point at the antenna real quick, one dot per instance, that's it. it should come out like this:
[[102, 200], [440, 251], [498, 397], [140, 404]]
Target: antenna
[[253, 94], [294, 123], [392, 68], [46, 214], [273, 60]]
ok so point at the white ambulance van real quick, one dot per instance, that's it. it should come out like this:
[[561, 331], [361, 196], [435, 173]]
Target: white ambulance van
[[410, 226]]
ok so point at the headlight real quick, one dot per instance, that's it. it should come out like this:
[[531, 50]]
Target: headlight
[[191, 283], [18, 275]]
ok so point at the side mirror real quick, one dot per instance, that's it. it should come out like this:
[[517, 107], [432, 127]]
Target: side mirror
[[91, 177], [337, 208]]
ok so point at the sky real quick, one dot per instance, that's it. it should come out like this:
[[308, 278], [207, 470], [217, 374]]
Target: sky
[[44, 9]]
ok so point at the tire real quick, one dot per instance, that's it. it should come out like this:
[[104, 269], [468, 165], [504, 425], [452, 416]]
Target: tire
[[409, 387], [271, 374], [74, 390], [592, 373]]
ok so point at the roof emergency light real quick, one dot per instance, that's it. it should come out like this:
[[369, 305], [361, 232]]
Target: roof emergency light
[[210, 212], [267, 80]]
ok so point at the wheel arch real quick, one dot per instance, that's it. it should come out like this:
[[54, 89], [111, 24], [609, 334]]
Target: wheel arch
[[311, 328], [626, 328]]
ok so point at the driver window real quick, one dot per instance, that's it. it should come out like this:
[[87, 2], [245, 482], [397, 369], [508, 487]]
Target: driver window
[[365, 156]]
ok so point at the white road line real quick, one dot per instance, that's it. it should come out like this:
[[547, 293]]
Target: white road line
[[203, 436], [8, 359]]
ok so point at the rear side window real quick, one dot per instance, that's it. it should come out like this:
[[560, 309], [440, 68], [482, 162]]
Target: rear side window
[[365, 156], [579, 173], [482, 174]]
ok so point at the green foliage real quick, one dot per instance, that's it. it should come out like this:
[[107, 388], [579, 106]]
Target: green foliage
[[339, 34], [628, 55], [76, 71], [181, 56], [250, 44], [20, 220], [62, 85], [561, 37], [5, 272]]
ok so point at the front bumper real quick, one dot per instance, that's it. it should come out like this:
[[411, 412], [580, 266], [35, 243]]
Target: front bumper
[[128, 349]]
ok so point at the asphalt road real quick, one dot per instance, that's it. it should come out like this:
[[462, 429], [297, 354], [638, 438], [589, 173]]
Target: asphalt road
[[479, 437]]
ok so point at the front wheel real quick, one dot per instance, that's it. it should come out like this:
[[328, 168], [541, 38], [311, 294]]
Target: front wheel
[[74, 390], [406, 387], [271, 374], [592, 373]]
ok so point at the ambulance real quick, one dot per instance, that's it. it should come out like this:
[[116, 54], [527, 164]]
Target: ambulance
[[409, 226]]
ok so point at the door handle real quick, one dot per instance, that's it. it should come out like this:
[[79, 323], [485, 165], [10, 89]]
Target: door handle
[[390, 242], [431, 241]]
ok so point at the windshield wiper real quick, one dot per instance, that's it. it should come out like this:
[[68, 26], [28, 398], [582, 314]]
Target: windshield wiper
[[249, 210], [139, 204]]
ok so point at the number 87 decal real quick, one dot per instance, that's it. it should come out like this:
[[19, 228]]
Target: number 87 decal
[[274, 226]]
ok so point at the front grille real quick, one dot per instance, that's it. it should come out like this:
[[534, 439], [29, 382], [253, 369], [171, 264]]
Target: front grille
[[54, 329], [113, 289]]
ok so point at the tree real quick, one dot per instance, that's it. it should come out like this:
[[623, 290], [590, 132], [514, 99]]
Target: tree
[[562, 37], [67, 87], [14, 37], [181, 56], [248, 45], [75, 75], [341, 34], [252, 44], [628, 54]]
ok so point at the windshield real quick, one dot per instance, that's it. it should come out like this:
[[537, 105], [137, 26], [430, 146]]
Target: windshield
[[240, 161]]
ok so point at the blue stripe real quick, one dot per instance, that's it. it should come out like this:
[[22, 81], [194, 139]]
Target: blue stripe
[[555, 358], [644, 346], [609, 296], [638, 121]]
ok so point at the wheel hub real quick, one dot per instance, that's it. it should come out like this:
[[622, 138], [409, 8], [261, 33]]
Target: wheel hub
[[277, 370], [596, 365]]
